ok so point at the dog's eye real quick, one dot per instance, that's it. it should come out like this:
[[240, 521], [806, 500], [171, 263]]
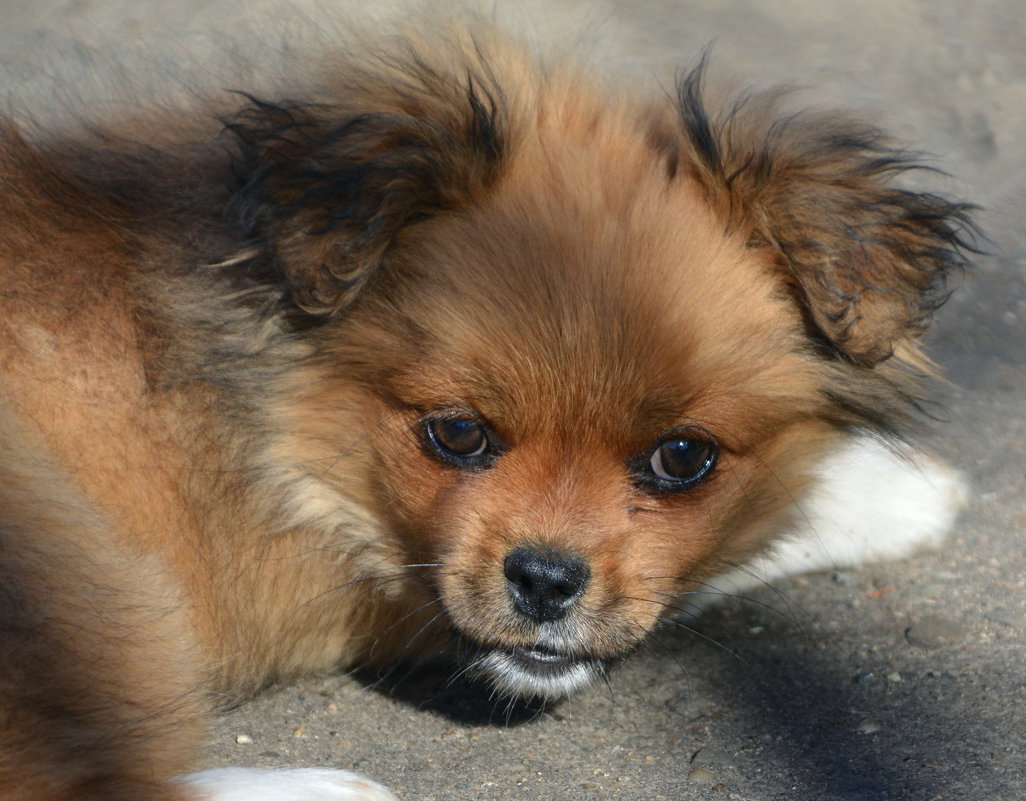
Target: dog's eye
[[458, 436], [461, 441], [678, 463]]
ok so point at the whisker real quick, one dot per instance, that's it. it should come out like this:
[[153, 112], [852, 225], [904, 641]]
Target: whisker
[[411, 613], [333, 459], [773, 473], [392, 574], [511, 701], [381, 677], [684, 671], [754, 601], [468, 666], [708, 639], [416, 635], [397, 663], [692, 610], [609, 685], [783, 596], [712, 589], [680, 625]]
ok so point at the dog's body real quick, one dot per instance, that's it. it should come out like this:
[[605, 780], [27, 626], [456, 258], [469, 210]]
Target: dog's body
[[455, 352]]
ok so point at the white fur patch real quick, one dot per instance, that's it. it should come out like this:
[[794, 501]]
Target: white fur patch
[[509, 677], [867, 504], [283, 784]]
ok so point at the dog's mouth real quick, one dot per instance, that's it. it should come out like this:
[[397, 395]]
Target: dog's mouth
[[541, 658], [537, 670]]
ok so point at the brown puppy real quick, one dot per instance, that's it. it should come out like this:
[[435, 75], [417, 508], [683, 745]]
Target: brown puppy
[[450, 347]]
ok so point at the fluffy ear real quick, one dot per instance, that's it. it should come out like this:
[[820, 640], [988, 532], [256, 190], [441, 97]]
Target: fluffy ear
[[867, 260], [325, 188]]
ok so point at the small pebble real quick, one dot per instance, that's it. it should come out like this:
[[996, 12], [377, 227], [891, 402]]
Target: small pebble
[[933, 632], [243, 739], [714, 755], [894, 677], [863, 678], [867, 727], [701, 776]]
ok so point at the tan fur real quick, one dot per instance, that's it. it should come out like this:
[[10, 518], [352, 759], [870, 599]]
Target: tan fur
[[216, 368]]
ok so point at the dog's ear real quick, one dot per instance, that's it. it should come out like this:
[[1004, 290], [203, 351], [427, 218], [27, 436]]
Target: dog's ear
[[866, 259], [325, 189]]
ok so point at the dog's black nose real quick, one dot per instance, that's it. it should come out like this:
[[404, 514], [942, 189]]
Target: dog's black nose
[[544, 584]]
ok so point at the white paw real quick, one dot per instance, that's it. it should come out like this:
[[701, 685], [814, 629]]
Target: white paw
[[867, 504], [283, 784]]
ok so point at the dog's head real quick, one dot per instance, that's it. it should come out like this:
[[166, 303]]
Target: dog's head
[[580, 351]]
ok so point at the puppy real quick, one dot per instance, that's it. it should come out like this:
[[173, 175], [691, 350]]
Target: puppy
[[451, 352]]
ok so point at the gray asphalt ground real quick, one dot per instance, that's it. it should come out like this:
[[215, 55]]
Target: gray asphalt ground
[[897, 681]]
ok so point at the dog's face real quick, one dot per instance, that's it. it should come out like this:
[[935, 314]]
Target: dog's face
[[575, 413], [580, 360]]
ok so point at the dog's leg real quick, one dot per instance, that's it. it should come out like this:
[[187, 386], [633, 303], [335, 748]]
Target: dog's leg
[[296, 784], [98, 697], [866, 504]]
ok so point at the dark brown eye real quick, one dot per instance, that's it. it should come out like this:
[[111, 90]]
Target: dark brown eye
[[677, 463], [459, 437], [461, 441]]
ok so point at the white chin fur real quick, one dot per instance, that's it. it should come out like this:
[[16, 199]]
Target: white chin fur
[[286, 784], [509, 677], [868, 504]]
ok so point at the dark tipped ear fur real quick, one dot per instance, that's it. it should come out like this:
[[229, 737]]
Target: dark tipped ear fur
[[866, 259], [325, 188]]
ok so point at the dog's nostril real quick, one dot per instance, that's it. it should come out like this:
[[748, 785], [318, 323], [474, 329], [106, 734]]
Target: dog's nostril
[[544, 584]]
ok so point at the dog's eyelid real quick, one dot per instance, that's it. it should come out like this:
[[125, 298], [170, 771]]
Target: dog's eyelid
[[470, 448], [449, 410], [678, 460], [690, 429], [687, 428], [726, 440]]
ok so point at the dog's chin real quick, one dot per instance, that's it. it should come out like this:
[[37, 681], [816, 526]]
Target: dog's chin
[[537, 672]]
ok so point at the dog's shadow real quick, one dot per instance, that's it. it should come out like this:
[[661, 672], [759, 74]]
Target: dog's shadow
[[835, 732], [803, 695], [459, 698]]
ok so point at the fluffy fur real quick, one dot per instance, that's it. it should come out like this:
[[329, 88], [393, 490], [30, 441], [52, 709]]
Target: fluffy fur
[[236, 339]]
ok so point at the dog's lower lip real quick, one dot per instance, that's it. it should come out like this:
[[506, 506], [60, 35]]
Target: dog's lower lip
[[542, 656]]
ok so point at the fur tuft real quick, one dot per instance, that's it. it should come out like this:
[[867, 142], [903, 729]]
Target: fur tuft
[[327, 186], [868, 260]]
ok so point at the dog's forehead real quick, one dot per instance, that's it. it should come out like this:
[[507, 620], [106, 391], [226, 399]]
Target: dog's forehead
[[580, 295]]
